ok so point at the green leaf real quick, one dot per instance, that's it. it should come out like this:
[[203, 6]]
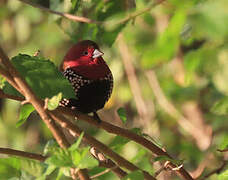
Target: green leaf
[[118, 142], [53, 103], [25, 111], [135, 175], [220, 107], [137, 131], [122, 114], [77, 143], [166, 44], [74, 2], [61, 158], [210, 19], [35, 168], [42, 76], [88, 162], [223, 175], [2, 82], [47, 171], [76, 157], [83, 159], [75, 5], [60, 174], [51, 147], [10, 167], [108, 37]]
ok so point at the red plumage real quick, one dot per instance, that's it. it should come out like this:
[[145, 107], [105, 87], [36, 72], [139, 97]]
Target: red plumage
[[89, 75]]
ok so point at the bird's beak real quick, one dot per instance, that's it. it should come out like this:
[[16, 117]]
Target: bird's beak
[[97, 53]]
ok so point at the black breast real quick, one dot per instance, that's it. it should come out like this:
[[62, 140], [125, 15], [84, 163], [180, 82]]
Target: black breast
[[91, 94]]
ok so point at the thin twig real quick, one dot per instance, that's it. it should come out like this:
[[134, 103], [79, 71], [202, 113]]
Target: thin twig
[[216, 171], [140, 12], [108, 163], [170, 109], [9, 78], [100, 174], [133, 81], [223, 150], [8, 96], [65, 15], [90, 21], [24, 154]]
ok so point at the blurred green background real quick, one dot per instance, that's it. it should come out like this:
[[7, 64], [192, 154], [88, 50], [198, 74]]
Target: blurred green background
[[170, 68]]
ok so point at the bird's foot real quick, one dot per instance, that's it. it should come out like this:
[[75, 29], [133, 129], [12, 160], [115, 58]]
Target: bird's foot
[[96, 117]]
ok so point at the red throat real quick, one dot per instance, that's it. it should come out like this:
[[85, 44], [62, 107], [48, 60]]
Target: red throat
[[91, 69]]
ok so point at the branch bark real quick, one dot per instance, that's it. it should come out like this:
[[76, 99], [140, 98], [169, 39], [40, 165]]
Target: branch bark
[[24, 154]]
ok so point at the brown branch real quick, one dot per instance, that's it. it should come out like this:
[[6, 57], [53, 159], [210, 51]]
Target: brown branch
[[124, 133], [65, 15], [201, 135], [83, 174], [100, 174], [8, 96], [216, 171], [133, 82], [108, 163], [223, 150], [24, 154], [75, 131], [14, 77], [90, 21], [7, 76]]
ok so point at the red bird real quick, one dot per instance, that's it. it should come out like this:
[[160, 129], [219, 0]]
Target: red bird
[[89, 75]]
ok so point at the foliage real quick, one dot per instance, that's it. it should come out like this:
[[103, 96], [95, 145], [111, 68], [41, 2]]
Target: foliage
[[185, 44]]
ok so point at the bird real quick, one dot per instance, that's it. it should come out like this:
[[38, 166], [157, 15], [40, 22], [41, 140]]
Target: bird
[[90, 77]]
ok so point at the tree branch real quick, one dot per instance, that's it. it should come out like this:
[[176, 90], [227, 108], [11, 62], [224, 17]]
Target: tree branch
[[76, 131], [65, 15], [216, 171], [24, 154], [127, 134], [30, 97], [124, 133], [8, 96], [140, 12], [90, 21], [107, 164]]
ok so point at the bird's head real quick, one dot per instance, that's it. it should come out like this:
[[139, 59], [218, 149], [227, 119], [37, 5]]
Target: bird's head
[[86, 59]]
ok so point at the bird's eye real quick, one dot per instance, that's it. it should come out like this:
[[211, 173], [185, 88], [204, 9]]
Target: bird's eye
[[85, 53]]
